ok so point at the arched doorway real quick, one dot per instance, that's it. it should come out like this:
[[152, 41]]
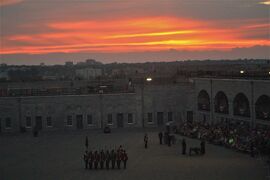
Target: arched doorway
[[203, 101], [262, 108], [221, 103], [241, 105]]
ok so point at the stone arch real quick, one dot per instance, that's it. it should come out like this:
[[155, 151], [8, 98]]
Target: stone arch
[[262, 108], [203, 101], [221, 103], [241, 105]]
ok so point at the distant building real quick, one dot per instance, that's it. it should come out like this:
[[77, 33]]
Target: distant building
[[88, 73], [69, 63], [3, 65], [4, 75], [92, 62]]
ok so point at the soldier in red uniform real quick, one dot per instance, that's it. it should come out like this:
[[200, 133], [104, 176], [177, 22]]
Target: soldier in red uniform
[[85, 158], [102, 159], [124, 159], [118, 159], [108, 158], [96, 159], [90, 159]]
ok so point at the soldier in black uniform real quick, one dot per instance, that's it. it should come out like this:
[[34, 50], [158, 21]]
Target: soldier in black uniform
[[184, 146], [90, 159], [166, 137], [145, 141], [160, 135], [108, 158], [113, 158], [102, 159], [118, 159], [85, 158], [252, 153], [169, 139], [35, 131], [202, 147]]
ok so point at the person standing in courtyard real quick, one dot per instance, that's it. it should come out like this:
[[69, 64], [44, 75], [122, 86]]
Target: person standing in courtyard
[[252, 153], [184, 146], [113, 158], [160, 136], [118, 159], [85, 158], [96, 159], [169, 140], [102, 159], [86, 143], [202, 147], [125, 158], [108, 158], [90, 160], [35, 131], [145, 141]]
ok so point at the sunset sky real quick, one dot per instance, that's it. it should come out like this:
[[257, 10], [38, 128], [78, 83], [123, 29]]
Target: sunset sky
[[55, 31]]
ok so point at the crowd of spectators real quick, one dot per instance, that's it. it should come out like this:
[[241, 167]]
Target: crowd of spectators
[[238, 136]]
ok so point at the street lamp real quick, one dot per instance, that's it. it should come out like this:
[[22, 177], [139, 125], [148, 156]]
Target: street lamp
[[148, 79]]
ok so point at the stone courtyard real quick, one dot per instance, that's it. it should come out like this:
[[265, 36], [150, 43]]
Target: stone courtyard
[[58, 155]]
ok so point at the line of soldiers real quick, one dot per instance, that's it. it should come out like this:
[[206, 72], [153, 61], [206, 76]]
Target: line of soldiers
[[168, 140], [105, 159]]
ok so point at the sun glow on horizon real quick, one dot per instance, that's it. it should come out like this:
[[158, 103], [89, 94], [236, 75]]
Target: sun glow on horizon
[[265, 2], [137, 34]]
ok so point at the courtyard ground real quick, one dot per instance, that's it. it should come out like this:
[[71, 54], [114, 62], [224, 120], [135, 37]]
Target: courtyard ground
[[58, 155]]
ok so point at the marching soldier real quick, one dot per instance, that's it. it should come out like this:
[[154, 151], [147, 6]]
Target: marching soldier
[[90, 159], [184, 146], [118, 159], [108, 157], [86, 143], [124, 159], [145, 141], [202, 147], [120, 149], [160, 135], [252, 152], [113, 158], [85, 158], [169, 139], [96, 159], [102, 159]]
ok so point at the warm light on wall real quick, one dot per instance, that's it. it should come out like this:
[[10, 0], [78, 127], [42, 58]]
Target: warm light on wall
[[149, 79], [242, 72]]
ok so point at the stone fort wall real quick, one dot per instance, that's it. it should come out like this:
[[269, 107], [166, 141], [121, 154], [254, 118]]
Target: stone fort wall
[[149, 106], [97, 110]]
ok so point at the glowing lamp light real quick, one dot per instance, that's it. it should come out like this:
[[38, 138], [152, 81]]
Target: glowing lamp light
[[148, 79], [242, 72], [269, 72]]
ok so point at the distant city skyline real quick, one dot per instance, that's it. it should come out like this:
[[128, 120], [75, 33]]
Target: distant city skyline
[[53, 32]]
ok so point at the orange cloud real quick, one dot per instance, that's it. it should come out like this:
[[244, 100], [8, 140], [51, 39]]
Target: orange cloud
[[9, 2], [139, 34]]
